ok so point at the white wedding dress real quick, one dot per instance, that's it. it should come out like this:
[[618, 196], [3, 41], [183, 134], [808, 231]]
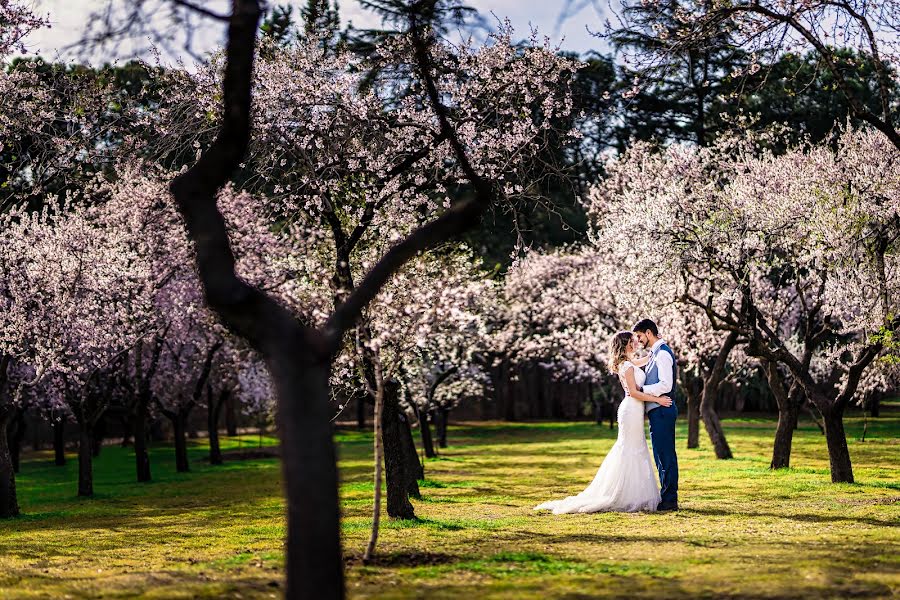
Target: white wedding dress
[[626, 481]]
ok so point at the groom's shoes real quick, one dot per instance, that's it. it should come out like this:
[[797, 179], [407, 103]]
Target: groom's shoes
[[667, 506]]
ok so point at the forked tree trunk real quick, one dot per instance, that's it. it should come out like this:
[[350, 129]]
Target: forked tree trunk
[[85, 460], [141, 454], [838, 451], [9, 506], [788, 402], [398, 505], [710, 396], [59, 442]]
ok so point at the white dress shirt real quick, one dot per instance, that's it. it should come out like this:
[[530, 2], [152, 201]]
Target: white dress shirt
[[665, 369]]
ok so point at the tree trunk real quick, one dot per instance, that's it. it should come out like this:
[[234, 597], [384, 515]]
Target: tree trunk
[[16, 437], [59, 442], [838, 452], [425, 431], [313, 565], [214, 409], [141, 455], [412, 467], [85, 460], [379, 470], [784, 436], [441, 426], [98, 435], [398, 505], [231, 420], [709, 397], [788, 402], [361, 413], [693, 422], [179, 423], [9, 506]]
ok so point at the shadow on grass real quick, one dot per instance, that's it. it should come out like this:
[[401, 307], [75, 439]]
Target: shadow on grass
[[791, 517]]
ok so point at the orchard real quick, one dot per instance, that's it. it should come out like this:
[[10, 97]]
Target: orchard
[[328, 311]]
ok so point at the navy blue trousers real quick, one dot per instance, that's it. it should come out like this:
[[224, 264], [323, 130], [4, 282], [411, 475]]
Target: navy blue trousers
[[662, 436]]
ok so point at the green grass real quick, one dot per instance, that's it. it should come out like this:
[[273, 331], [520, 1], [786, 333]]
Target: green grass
[[743, 530]]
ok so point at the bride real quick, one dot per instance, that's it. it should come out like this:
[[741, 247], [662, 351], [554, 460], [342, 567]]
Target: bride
[[626, 481]]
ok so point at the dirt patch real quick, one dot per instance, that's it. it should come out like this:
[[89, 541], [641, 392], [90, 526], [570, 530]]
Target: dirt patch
[[402, 559]]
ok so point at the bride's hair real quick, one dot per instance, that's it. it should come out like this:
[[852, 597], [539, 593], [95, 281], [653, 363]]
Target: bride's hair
[[618, 350]]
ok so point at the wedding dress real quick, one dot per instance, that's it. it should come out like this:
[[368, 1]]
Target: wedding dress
[[626, 481]]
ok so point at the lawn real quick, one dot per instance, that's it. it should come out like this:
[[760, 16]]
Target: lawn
[[742, 531]]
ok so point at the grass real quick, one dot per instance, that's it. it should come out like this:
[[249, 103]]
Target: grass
[[743, 530]]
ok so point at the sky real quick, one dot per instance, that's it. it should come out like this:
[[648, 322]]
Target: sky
[[69, 19]]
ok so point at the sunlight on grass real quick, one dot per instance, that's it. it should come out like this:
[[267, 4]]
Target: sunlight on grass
[[217, 531]]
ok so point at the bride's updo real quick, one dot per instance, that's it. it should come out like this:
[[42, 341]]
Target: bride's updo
[[618, 350]]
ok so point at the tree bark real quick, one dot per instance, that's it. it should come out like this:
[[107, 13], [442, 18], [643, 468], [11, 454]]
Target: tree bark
[[16, 437], [313, 564], [85, 460], [99, 434], [838, 452], [231, 420], [693, 391], [425, 431], [59, 442], [788, 402], [9, 506], [361, 413], [179, 424], [398, 505], [141, 454], [710, 395], [213, 411], [412, 467], [441, 426]]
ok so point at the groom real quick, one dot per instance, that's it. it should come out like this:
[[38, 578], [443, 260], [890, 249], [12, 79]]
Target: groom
[[661, 372]]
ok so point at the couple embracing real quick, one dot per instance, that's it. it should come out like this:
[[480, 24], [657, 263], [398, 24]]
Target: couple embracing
[[625, 481]]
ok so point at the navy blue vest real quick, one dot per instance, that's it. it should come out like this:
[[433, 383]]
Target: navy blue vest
[[652, 371]]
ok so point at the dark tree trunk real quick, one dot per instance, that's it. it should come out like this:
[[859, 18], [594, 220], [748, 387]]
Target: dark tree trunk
[[9, 506], [838, 452], [141, 454], [127, 430], [361, 413], [708, 399], [693, 422], [314, 567], [413, 469], [425, 431], [179, 425], [441, 426], [784, 437], [398, 505], [85, 460], [788, 402], [16, 437], [59, 442], [231, 420], [212, 424], [99, 433]]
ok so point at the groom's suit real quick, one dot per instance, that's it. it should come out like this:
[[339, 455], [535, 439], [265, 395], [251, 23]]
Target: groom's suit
[[661, 373]]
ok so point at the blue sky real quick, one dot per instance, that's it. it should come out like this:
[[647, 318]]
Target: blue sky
[[69, 18]]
